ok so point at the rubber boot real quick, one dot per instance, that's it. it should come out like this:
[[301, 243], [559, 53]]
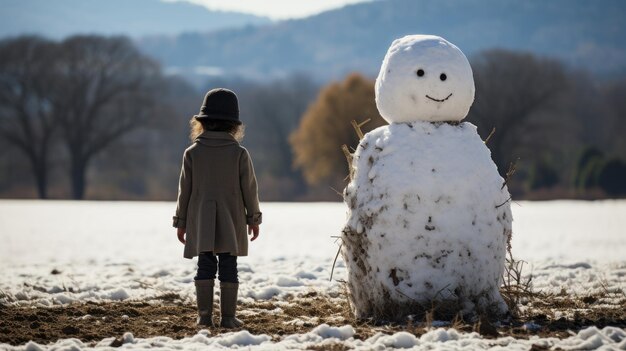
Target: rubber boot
[[204, 294], [228, 304]]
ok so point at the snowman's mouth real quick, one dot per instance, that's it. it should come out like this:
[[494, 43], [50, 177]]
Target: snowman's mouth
[[439, 100]]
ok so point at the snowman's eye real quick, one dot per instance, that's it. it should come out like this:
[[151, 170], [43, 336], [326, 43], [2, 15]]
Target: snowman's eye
[[420, 72], [443, 77]]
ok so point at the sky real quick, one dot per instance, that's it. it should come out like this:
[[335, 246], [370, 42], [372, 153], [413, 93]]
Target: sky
[[274, 9]]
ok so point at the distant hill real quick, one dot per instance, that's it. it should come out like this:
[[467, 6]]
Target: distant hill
[[588, 34], [60, 18]]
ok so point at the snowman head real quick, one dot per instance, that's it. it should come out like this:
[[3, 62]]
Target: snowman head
[[424, 78]]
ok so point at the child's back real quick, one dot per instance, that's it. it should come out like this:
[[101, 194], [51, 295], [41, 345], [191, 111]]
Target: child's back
[[223, 190], [217, 198]]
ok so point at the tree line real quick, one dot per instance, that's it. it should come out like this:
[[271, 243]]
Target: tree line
[[92, 117], [81, 94], [559, 131]]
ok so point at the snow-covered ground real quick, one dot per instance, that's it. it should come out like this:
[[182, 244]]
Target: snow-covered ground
[[128, 251]]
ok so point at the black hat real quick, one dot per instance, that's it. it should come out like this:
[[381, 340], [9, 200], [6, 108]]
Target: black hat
[[219, 104]]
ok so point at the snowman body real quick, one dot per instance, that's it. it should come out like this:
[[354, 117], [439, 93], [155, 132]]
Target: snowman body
[[429, 216]]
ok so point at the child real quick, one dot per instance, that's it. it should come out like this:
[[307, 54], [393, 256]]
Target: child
[[217, 197]]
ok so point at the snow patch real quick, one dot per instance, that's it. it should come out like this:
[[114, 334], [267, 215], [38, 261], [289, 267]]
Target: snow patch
[[33, 346], [402, 340], [285, 281], [326, 331], [242, 338], [117, 295], [266, 293]]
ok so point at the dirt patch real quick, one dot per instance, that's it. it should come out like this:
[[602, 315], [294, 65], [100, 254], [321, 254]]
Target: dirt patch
[[94, 321], [91, 322]]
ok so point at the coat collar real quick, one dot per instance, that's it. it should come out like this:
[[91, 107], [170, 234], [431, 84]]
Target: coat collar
[[211, 138]]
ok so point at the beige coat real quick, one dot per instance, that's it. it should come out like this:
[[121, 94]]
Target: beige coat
[[217, 196]]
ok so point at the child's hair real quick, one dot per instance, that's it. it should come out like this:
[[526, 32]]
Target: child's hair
[[215, 125]]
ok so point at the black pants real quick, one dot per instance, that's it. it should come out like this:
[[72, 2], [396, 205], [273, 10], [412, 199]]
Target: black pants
[[208, 267]]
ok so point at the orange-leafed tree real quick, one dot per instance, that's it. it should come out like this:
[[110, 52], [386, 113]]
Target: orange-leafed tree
[[326, 126]]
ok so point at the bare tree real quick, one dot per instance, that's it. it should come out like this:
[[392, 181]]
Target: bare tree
[[27, 114], [280, 106], [106, 94], [272, 113], [521, 96]]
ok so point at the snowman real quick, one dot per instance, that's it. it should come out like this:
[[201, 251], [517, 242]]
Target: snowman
[[429, 216]]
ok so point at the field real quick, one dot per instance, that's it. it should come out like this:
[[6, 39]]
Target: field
[[80, 275]]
